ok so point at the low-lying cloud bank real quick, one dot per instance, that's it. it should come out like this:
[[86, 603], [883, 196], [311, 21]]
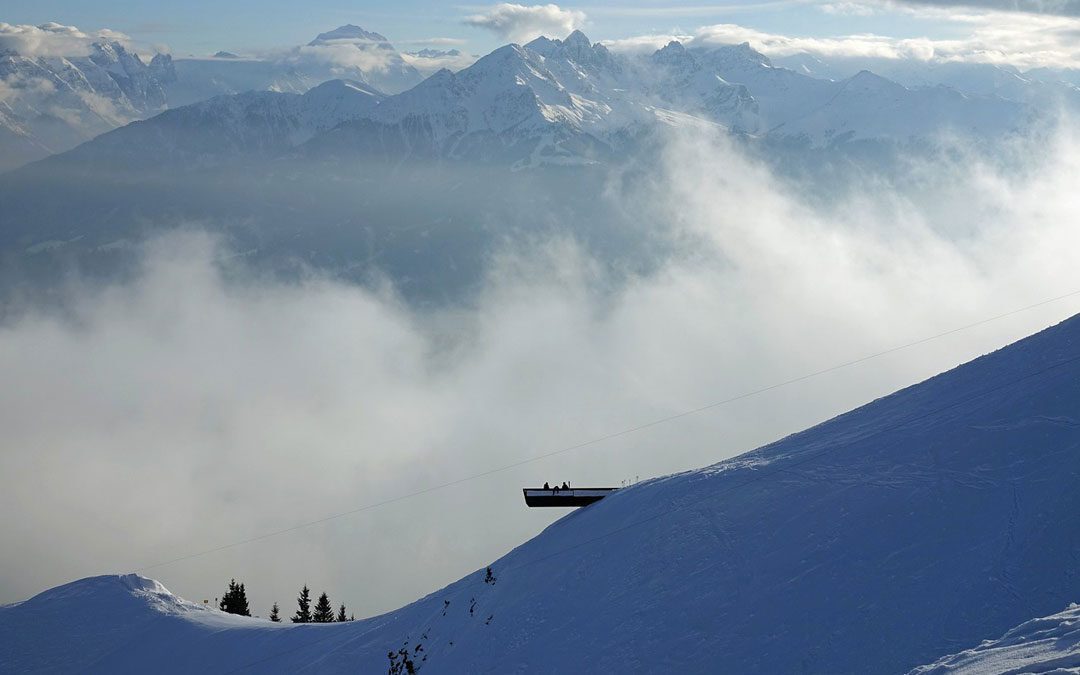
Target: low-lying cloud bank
[[53, 39], [1023, 41], [201, 404]]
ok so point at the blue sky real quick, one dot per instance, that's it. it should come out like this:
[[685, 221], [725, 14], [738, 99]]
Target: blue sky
[[201, 26], [977, 31]]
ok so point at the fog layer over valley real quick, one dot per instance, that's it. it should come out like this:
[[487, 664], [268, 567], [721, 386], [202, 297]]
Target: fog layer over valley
[[202, 398]]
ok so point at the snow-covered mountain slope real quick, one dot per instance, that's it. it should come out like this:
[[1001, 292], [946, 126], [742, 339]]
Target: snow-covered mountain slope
[[51, 104], [870, 107], [677, 75], [228, 129], [780, 94], [54, 103], [877, 541], [1040, 87], [508, 97], [1050, 644], [864, 106]]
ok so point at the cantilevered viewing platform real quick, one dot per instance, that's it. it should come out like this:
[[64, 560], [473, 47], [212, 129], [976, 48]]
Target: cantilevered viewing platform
[[564, 496]]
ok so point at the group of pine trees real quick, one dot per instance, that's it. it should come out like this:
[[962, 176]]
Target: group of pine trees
[[323, 613], [235, 602]]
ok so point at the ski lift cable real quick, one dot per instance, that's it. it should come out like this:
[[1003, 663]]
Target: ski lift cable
[[710, 495], [607, 437]]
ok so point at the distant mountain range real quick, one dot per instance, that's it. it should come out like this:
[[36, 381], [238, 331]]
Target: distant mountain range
[[360, 179], [557, 102], [52, 104]]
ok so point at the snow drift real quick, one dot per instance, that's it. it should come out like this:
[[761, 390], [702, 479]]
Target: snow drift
[[903, 531], [1049, 644]]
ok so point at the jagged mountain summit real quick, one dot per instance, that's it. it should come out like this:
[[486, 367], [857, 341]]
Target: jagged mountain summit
[[350, 34], [937, 517]]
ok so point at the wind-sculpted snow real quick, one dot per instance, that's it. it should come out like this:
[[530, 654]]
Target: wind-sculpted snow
[[1049, 644], [875, 542]]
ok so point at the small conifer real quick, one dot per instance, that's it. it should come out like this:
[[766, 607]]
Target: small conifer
[[324, 612], [303, 611]]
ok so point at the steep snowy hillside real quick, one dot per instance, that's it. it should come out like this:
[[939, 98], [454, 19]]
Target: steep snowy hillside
[[1049, 644], [875, 542]]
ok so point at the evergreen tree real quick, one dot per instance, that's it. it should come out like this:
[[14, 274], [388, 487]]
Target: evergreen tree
[[303, 612], [324, 612], [341, 614], [235, 600], [274, 616]]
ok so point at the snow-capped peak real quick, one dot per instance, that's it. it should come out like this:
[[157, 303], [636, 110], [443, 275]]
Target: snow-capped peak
[[348, 32], [577, 40]]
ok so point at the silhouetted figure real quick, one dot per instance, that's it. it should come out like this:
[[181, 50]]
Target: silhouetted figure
[[546, 486], [565, 486]]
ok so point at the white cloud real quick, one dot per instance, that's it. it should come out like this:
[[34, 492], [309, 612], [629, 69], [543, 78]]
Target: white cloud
[[645, 43], [1022, 40], [867, 45], [52, 39], [521, 23], [344, 55], [436, 42], [431, 64], [1058, 7]]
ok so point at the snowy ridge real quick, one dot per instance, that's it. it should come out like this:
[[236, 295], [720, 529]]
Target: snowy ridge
[[874, 542], [232, 128], [1049, 644]]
